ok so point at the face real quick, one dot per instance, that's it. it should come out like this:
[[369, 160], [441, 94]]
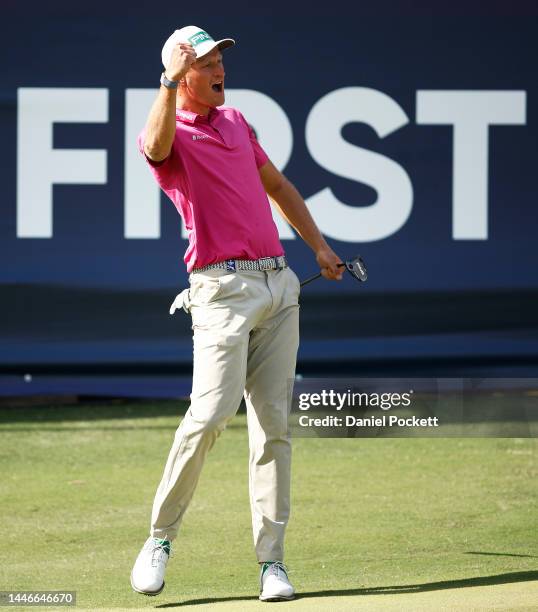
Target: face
[[204, 83]]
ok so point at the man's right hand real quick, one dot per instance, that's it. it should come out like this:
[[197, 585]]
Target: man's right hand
[[182, 58]]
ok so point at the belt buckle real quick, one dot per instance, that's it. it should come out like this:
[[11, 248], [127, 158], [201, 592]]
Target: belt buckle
[[266, 263]]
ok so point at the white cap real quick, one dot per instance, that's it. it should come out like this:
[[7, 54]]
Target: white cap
[[198, 38]]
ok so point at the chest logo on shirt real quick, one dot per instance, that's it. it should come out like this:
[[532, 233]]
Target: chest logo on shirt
[[199, 136]]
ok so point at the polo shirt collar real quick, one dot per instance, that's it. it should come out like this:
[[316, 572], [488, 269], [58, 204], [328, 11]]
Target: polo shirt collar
[[187, 116]]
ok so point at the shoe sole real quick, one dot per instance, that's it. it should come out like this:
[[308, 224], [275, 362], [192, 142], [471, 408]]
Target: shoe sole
[[273, 598], [148, 593]]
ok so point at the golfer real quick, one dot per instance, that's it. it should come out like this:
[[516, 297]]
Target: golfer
[[243, 299]]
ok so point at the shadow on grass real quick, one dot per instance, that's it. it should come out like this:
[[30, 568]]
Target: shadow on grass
[[143, 426], [494, 554], [383, 590], [92, 411], [80, 429]]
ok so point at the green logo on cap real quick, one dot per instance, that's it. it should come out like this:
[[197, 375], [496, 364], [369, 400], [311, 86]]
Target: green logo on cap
[[199, 37]]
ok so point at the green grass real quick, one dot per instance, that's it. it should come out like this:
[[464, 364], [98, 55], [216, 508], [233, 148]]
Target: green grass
[[403, 524]]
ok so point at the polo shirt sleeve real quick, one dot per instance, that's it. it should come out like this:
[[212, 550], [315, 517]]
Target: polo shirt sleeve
[[260, 155], [164, 170]]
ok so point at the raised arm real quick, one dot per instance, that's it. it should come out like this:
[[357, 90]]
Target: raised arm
[[293, 209], [161, 123]]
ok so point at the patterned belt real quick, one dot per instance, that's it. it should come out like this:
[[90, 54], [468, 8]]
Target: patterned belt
[[234, 265]]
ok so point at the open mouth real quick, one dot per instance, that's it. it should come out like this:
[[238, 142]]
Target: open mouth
[[217, 86]]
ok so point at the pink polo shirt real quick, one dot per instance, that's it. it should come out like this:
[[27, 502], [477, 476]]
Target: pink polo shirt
[[211, 176]]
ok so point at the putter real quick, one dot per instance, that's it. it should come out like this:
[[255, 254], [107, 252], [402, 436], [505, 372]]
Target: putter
[[355, 267]]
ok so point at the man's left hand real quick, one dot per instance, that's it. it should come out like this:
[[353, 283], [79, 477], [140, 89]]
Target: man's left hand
[[328, 261]]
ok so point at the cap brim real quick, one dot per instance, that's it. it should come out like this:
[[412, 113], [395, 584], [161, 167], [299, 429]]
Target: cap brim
[[224, 43]]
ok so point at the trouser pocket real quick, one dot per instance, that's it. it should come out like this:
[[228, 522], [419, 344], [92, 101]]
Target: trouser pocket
[[204, 289]]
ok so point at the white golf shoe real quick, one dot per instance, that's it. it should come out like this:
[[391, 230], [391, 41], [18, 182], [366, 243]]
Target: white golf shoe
[[147, 576], [274, 582]]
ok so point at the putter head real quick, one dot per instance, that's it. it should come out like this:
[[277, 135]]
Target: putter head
[[357, 268]]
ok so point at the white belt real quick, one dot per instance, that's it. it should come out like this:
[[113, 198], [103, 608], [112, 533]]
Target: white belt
[[234, 265]]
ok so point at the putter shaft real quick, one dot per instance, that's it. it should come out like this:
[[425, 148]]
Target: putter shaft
[[311, 278]]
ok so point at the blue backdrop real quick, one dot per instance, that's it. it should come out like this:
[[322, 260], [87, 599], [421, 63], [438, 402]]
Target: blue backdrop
[[411, 133]]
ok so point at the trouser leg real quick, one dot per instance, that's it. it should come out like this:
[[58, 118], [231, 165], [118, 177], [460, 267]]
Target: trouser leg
[[218, 382], [270, 374]]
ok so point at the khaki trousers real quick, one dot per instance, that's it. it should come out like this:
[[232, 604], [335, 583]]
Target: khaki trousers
[[246, 335]]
